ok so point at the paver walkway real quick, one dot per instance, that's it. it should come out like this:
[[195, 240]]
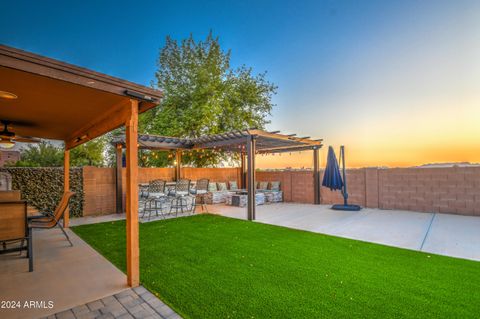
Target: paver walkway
[[131, 303]]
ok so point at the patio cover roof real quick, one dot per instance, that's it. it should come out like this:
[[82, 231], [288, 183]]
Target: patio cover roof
[[56, 100], [266, 142], [60, 101]]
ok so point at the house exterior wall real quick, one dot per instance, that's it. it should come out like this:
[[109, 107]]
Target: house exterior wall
[[9, 156]]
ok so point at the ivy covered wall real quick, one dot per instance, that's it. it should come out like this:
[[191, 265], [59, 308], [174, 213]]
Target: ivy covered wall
[[42, 187]]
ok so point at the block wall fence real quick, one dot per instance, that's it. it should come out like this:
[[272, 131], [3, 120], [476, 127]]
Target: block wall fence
[[454, 190]]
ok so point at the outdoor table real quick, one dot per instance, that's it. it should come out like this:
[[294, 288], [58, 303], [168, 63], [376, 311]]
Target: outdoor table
[[240, 199]]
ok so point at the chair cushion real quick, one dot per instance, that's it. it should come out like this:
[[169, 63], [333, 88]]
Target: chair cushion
[[212, 187], [233, 185], [156, 194], [263, 185], [222, 186], [275, 186]]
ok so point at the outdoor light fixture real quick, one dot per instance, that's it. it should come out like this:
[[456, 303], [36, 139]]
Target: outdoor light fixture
[[6, 143], [139, 96], [8, 95]]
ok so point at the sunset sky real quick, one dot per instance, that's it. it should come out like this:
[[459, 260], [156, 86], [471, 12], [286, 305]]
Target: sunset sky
[[396, 82]]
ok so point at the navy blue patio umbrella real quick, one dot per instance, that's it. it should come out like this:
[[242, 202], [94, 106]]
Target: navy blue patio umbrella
[[333, 180]]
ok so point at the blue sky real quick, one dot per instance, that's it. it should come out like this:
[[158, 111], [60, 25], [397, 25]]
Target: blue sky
[[393, 80]]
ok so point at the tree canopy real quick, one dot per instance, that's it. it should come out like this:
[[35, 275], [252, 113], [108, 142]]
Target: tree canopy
[[204, 94], [47, 154]]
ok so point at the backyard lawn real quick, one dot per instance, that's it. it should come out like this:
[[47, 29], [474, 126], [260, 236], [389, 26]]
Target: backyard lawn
[[209, 266]]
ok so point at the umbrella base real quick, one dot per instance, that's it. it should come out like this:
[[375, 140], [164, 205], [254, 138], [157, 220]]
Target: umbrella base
[[346, 207]]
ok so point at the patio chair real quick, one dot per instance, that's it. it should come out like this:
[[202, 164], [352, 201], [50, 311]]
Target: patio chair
[[233, 186], [200, 194], [14, 230], [273, 194], [181, 194], [50, 220], [156, 197]]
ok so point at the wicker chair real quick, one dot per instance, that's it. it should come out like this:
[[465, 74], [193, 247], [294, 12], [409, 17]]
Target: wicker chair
[[156, 198]]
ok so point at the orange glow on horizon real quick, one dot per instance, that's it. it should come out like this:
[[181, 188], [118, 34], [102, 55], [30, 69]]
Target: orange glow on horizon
[[414, 155]]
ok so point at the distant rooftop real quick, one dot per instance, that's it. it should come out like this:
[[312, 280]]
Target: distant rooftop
[[458, 164]]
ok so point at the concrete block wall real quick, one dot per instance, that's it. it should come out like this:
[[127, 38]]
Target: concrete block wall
[[452, 190], [98, 190], [99, 183], [213, 174], [297, 186], [356, 186]]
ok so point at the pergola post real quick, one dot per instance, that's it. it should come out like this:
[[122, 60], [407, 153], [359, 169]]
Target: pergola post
[[243, 175], [178, 164], [118, 178], [316, 177], [133, 258], [66, 184], [251, 178]]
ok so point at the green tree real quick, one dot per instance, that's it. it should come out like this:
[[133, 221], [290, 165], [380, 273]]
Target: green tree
[[90, 153], [43, 154], [204, 95], [47, 154]]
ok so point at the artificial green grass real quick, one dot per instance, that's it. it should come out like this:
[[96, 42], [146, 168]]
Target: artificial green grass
[[215, 267]]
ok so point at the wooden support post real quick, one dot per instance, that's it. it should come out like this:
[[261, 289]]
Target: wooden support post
[[133, 260], [66, 185], [243, 174], [178, 164], [118, 178], [316, 177], [251, 178]]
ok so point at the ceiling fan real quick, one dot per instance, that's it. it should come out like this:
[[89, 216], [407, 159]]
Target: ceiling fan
[[9, 138]]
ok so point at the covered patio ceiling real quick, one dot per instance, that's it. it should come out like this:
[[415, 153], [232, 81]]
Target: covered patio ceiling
[[46, 98], [61, 101]]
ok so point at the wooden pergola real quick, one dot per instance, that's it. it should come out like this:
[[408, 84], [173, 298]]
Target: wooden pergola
[[61, 101], [247, 142]]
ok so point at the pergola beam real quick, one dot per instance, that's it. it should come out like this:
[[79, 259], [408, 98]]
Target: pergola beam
[[178, 164], [115, 118], [243, 173], [266, 142], [316, 177], [221, 142], [133, 254], [118, 178], [251, 178], [286, 149]]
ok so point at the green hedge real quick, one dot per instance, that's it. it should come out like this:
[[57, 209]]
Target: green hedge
[[42, 187]]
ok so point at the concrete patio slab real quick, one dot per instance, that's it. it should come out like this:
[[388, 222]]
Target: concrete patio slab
[[66, 276], [444, 234], [454, 235]]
